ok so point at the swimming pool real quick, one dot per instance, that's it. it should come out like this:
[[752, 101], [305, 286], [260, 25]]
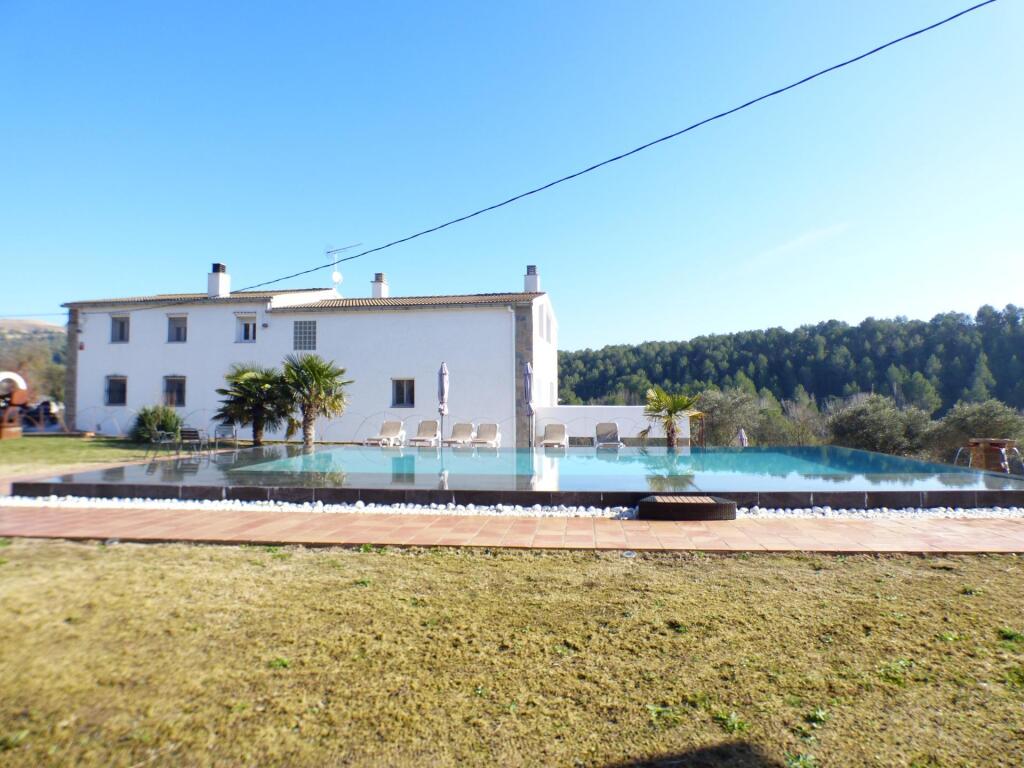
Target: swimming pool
[[627, 469], [777, 476]]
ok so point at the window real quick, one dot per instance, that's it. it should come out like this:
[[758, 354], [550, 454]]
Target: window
[[403, 393], [117, 390], [174, 391], [245, 328], [118, 330], [304, 334], [177, 328]]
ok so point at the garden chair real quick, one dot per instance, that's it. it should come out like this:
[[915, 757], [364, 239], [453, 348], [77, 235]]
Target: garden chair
[[225, 432], [194, 439], [161, 439]]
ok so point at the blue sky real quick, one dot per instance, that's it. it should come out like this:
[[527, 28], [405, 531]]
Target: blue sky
[[139, 142]]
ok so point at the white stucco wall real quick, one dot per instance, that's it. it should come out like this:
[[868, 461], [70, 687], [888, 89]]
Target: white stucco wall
[[545, 353], [374, 347], [581, 420]]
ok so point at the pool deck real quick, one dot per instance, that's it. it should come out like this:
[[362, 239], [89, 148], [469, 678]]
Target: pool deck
[[924, 536]]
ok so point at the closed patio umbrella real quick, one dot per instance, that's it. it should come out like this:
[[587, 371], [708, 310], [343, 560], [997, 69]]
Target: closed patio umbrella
[[528, 395], [442, 396]]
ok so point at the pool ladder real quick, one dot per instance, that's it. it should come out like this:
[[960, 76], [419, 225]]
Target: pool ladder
[[1007, 457]]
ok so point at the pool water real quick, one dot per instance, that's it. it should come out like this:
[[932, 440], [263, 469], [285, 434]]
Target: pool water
[[628, 469]]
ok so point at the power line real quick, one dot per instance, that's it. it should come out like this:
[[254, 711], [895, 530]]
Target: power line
[[616, 158], [633, 151]]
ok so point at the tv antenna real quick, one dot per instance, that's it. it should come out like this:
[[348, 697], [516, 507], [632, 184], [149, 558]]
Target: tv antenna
[[336, 275]]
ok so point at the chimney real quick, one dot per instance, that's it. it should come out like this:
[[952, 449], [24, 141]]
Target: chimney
[[218, 282], [531, 283], [379, 286]]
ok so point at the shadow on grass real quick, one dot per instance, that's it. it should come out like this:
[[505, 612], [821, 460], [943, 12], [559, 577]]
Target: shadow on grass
[[737, 754]]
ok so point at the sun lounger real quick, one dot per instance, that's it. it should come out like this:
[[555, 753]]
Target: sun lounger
[[555, 436], [606, 435], [391, 435], [487, 435], [462, 434], [428, 435]]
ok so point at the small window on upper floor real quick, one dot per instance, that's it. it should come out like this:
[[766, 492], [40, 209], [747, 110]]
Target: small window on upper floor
[[245, 328], [304, 334], [177, 328], [117, 390], [119, 330], [403, 393], [174, 391]]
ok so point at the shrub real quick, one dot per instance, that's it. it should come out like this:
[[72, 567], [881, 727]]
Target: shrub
[[152, 419], [966, 420], [726, 411], [779, 428], [876, 424]]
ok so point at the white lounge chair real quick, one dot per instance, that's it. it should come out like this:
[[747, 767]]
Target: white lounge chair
[[555, 436], [606, 435], [462, 434], [428, 435], [488, 436], [391, 435]]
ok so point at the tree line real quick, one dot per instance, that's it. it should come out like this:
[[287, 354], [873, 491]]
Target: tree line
[[928, 365]]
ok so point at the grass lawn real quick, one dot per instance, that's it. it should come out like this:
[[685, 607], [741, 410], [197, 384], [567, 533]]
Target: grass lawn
[[30, 455], [176, 654]]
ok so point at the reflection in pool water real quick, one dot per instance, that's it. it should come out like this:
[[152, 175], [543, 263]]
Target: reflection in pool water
[[818, 468], [581, 469]]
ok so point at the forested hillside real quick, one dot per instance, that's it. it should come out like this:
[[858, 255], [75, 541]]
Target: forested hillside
[[928, 364], [36, 351]]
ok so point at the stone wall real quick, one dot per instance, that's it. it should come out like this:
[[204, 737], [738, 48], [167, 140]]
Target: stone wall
[[71, 371], [524, 354]]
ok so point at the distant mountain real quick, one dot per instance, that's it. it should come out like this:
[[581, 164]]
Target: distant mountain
[[12, 328]]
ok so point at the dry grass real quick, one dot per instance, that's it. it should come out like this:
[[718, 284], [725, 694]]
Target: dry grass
[[33, 455], [186, 655]]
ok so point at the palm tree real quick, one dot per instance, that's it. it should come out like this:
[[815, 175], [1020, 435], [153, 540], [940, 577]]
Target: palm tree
[[667, 410], [316, 387], [254, 395]]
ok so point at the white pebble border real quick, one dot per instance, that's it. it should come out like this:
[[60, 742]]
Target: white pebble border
[[537, 510], [882, 513]]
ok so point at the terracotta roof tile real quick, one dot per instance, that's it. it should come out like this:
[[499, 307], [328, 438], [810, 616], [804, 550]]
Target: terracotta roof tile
[[187, 297], [403, 302]]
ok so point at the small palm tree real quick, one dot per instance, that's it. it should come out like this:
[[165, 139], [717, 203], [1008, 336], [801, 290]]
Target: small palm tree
[[316, 388], [667, 410], [254, 395]]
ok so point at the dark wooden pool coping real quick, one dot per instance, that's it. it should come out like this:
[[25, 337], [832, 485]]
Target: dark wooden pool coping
[[771, 499]]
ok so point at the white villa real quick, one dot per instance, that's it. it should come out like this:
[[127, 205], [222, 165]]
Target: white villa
[[128, 353]]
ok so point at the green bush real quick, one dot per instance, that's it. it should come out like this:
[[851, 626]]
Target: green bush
[[152, 419], [725, 412], [877, 424], [966, 420]]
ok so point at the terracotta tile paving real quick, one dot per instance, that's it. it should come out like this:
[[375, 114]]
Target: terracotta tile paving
[[891, 535]]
